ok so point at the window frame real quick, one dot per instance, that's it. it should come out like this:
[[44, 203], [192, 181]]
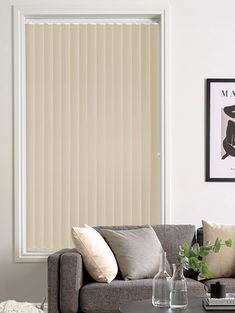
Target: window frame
[[21, 16]]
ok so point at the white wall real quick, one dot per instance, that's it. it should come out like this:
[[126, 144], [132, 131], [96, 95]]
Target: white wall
[[19, 281], [201, 46]]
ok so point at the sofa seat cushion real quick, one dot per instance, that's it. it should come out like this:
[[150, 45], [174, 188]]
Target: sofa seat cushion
[[228, 282], [195, 289], [107, 298]]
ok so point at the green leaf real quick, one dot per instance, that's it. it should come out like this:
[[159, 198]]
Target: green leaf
[[207, 244], [183, 247], [185, 262], [205, 270], [195, 249], [228, 243], [217, 245], [204, 250], [193, 264]]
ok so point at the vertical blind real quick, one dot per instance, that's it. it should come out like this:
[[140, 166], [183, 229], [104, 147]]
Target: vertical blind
[[92, 128]]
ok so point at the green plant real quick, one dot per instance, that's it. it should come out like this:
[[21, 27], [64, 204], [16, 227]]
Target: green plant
[[191, 257]]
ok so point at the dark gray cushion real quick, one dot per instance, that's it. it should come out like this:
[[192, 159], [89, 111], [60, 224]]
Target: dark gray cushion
[[107, 298], [171, 236], [200, 236], [137, 251]]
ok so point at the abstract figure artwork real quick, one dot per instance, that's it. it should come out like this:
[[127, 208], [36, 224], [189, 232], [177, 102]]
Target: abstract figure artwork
[[220, 130], [229, 140]]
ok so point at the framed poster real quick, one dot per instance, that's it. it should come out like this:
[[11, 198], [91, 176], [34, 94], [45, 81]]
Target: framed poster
[[220, 130]]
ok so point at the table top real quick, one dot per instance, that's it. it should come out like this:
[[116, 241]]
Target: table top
[[145, 306]]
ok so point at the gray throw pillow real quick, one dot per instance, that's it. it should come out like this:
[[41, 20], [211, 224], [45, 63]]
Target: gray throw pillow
[[137, 251]]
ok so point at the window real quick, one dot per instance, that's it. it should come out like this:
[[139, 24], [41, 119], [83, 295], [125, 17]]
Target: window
[[88, 127]]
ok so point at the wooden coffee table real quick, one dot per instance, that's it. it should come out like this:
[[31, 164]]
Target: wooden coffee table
[[145, 306]]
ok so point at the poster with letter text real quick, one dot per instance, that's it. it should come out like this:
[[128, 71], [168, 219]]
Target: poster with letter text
[[220, 130]]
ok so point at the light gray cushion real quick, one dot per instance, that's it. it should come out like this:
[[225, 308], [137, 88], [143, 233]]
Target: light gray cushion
[[137, 251], [170, 236]]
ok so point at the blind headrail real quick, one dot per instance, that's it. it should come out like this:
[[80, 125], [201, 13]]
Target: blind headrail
[[102, 21]]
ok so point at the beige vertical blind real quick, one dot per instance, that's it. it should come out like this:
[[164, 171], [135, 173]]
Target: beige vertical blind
[[92, 128]]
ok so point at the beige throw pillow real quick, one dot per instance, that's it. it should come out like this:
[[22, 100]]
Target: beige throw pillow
[[221, 264], [97, 256]]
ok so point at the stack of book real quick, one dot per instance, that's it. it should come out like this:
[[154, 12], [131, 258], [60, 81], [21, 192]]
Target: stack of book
[[220, 304]]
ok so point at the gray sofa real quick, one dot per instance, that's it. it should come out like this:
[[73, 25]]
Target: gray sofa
[[71, 289]]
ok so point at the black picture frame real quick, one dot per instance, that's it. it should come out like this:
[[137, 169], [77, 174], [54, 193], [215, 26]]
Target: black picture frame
[[220, 130]]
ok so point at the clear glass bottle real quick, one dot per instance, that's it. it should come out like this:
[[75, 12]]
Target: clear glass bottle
[[178, 294], [161, 285]]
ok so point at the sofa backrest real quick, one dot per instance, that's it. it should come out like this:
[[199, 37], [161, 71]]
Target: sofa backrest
[[171, 236], [200, 236]]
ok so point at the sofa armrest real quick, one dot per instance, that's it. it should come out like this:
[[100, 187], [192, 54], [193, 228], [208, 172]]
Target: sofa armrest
[[71, 280], [53, 280]]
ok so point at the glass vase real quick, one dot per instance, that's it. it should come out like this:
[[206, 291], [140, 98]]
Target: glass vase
[[161, 285], [178, 294]]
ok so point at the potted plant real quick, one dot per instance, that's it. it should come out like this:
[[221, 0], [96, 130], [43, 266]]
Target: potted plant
[[191, 257]]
